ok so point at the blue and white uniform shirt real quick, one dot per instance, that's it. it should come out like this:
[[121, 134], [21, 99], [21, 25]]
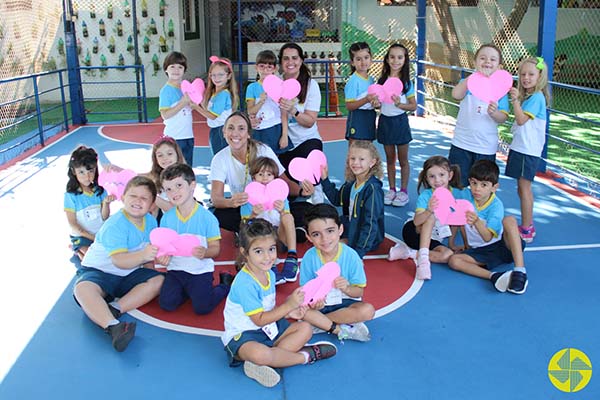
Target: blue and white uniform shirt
[[390, 110], [492, 213], [269, 113], [530, 137], [357, 88], [178, 126], [220, 106], [87, 208]]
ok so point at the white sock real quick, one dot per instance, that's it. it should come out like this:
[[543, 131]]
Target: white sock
[[412, 253], [424, 253], [115, 305], [306, 357]]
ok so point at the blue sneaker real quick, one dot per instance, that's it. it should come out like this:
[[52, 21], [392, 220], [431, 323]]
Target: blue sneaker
[[290, 269], [279, 278], [518, 282], [501, 280]]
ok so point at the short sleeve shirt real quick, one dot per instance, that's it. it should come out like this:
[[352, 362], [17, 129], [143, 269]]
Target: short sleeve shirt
[[530, 137]]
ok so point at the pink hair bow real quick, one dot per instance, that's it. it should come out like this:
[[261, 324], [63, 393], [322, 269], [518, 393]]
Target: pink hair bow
[[214, 59], [164, 138]]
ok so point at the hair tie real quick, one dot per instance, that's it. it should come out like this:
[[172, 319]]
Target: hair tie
[[164, 138], [214, 59], [540, 63]]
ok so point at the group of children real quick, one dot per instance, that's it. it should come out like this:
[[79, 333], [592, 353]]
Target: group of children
[[117, 259]]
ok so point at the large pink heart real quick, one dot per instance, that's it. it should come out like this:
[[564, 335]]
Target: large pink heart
[[170, 243], [114, 182], [316, 289], [195, 90], [267, 194], [278, 89], [449, 210], [391, 87], [492, 88], [308, 168]]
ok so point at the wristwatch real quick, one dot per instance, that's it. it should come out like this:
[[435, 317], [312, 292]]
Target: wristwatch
[[296, 113]]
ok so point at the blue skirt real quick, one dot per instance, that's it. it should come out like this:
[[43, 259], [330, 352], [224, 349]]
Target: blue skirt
[[360, 125], [394, 130]]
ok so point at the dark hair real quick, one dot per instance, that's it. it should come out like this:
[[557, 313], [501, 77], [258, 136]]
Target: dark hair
[[176, 171], [140, 180], [485, 170], [156, 168], [175, 57], [252, 144], [491, 46], [321, 211], [404, 71], [442, 162], [265, 57], [261, 163], [304, 74], [249, 232], [86, 157], [354, 47]]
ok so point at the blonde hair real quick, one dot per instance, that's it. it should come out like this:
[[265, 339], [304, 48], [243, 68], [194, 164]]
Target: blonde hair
[[231, 84], [376, 170], [542, 82]]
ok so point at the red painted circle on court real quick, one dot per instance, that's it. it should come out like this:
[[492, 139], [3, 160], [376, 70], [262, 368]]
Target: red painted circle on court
[[387, 283]]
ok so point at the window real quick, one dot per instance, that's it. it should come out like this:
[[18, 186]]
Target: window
[[191, 19]]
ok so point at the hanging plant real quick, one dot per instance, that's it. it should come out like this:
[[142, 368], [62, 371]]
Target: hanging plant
[[84, 29], [171, 29], [109, 11], [144, 8], [146, 44], [101, 27], [111, 44], [119, 28], [155, 64], [152, 28], [161, 8], [126, 9], [130, 43], [92, 11], [121, 62], [162, 44], [61, 47], [95, 45]]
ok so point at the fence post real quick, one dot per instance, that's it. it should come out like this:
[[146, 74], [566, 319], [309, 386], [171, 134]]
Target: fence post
[[75, 89], [38, 109], [63, 100], [421, 43], [546, 39]]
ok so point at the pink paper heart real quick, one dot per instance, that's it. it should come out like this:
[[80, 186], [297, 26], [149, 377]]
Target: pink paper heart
[[170, 243], [393, 87], [316, 289], [277, 89], [267, 194], [450, 211], [308, 168], [492, 88], [114, 182], [195, 89], [378, 90]]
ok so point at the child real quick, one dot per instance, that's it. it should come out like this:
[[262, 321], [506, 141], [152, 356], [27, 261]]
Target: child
[[360, 124], [493, 239], [272, 128], [165, 152], [220, 100], [120, 264], [424, 231], [529, 135], [393, 131], [175, 107], [265, 170], [361, 197], [476, 132], [342, 313], [256, 330], [86, 203], [191, 277]]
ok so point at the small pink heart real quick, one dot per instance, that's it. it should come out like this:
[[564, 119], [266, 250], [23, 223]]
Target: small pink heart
[[492, 88], [277, 89], [267, 194], [308, 168], [316, 289], [450, 211], [378, 90], [393, 87], [114, 182], [195, 90], [170, 243]]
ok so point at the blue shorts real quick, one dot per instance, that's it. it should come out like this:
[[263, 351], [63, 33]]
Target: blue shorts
[[521, 165], [465, 160], [492, 255], [257, 335], [270, 137], [344, 304], [394, 130], [78, 242], [115, 285], [360, 125], [412, 238], [217, 140]]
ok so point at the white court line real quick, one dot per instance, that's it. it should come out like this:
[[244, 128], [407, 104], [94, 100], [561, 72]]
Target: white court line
[[564, 247]]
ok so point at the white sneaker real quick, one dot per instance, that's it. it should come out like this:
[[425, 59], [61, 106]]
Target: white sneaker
[[389, 197], [357, 331], [262, 374], [400, 251], [400, 200]]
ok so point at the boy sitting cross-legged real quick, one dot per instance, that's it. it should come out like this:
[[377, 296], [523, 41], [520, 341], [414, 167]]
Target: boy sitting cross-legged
[[493, 239], [342, 312], [191, 277]]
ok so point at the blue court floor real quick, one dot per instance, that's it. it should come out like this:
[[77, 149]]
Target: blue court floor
[[455, 339]]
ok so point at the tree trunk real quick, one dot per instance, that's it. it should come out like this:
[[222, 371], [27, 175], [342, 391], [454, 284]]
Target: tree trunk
[[512, 23]]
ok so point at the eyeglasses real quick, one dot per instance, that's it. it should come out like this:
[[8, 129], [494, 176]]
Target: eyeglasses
[[219, 75], [265, 66]]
